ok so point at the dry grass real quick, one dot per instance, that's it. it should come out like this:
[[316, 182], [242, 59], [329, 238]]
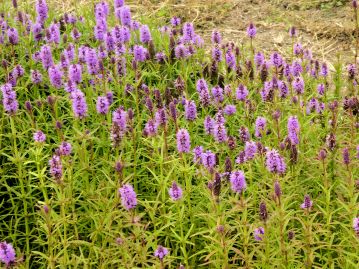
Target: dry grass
[[325, 30]]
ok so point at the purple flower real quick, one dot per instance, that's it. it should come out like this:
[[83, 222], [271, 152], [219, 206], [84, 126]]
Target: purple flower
[[190, 110], [209, 125], [308, 203], [217, 93], [283, 89], [352, 71], [258, 234], [128, 196], [346, 156], [124, 14], [119, 117], [292, 31], [298, 49], [357, 151], [216, 37], [161, 252], [151, 128], [261, 124], [220, 132], [140, 53], [324, 70], [321, 89], [181, 51], [10, 103], [197, 154], [259, 59], [276, 59], [296, 68], [244, 134], [250, 150], [65, 148], [13, 36], [42, 11], [46, 57], [55, 75], [55, 167], [54, 33], [79, 105], [39, 137], [251, 31], [175, 192], [298, 85], [36, 77], [208, 159], [161, 57], [7, 253], [102, 105], [230, 109], [118, 3], [161, 117], [356, 226], [91, 61], [202, 89], [175, 21], [238, 181], [145, 34], [217, 54], [183, 141], [230, 59], [274, 162], [75, 73], [188, 32], [293, 130], [241, 92]]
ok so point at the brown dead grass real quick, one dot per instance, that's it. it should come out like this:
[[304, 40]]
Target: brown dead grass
[[326, 31]]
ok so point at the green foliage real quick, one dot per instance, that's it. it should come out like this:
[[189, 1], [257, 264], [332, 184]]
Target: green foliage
[[86, 225]]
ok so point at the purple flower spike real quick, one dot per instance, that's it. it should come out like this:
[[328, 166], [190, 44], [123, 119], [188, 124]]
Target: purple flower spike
[[251, 31], [9, 100], [197, 154], [42, 11], [175, 192], [183, 141], [65, 148], [39, 137], [216, 37], [293, 130], [7, 253], [308, 203], [161, 252], [241, 93], [250, 150], [258, 234], [55, 167], [79, 105], [145, 34], [274, 162], [128, 196], [238, 181], [102, 105], [356, 226], [230, 110], [55, 75], [298, 85], [13, 36], [190, 110], [261, 124], [208, 160]]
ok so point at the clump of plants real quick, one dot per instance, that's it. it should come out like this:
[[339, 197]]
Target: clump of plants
[[133, 145]]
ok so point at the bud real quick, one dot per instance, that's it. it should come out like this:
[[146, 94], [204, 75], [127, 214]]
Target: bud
[[263, 214]]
